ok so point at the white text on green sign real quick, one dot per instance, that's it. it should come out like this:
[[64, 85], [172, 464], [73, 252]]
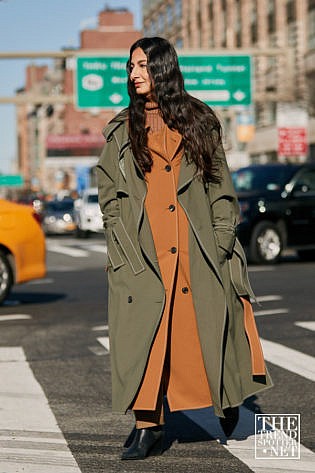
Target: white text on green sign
[[101, 82]]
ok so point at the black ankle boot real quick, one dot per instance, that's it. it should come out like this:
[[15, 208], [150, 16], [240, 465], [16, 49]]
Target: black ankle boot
[[145, 442], [228, 423]]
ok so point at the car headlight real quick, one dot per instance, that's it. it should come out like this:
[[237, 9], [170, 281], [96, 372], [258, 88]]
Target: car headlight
[[261, 206], [50, 219], [67, 218]]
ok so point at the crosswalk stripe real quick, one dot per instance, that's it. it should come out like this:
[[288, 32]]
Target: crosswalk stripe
[[66, 250], [270, 312], [308, 325], [97, 248], [257, 269], [244, 450], [269, 298], [25, 418], [104, 341], [9, 317], [242, 443], [41, 281], [289, 359], [99, 328]]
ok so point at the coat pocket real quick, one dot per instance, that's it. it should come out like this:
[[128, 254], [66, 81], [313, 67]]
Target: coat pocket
[[239, 272], [120, 245]]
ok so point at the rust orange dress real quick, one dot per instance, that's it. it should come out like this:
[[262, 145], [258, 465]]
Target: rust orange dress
[[175, 358]]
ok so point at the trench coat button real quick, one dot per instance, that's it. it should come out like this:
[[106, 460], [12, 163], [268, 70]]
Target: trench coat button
[[171, 208], [185, 290], [167, 168], [173, 249], [129, 299]]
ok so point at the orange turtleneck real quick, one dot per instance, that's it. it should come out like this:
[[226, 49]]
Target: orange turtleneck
[[154, 118]]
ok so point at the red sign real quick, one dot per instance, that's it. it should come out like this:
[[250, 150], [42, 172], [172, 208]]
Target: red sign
[[292, 141], [74, 141]]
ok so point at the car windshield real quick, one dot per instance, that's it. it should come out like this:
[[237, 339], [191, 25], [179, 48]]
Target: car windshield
[[261, 178], [92, 199], [59, 206]]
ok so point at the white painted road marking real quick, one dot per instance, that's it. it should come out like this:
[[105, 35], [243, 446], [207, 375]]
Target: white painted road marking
[[7, 317], [289, 359], [308, 325], [41, 281], [99, 328], [27, 424], [257, 269], [97, 248], [242, 443], [269, 298], [257, 313], [104, 341], [244, 449], [65, 250]]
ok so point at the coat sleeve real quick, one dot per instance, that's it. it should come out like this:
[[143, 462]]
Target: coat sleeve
[[225, 209], [107, 169]]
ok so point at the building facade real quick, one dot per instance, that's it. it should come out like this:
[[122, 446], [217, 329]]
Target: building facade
[[280, 33], [58, 144]]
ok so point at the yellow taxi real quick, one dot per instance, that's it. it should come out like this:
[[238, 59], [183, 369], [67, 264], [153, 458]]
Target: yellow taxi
[[22, 246]]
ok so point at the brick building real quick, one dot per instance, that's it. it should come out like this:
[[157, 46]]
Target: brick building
[[59, 144], [240, 25]]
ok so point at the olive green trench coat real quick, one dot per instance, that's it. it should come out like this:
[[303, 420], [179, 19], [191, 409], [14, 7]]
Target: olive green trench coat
[[136, 294]]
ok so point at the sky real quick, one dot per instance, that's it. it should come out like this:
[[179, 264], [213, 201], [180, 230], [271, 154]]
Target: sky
[[40, 25]]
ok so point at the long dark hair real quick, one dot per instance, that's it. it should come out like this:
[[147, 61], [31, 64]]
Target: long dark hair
[[194, 120]]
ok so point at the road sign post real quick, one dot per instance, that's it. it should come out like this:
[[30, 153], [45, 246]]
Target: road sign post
[[101, 81]]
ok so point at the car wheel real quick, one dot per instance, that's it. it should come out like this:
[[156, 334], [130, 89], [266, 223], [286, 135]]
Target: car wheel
[[6, 277], [266, 243]]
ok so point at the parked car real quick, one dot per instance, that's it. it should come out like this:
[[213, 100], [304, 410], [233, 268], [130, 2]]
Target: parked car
[[277, 204], [22, 246], [58, 216], [88, 216]]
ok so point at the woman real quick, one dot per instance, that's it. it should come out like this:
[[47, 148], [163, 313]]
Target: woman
[[180, 319]]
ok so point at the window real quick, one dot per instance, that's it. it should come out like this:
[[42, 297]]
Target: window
[[153, 28], [179, 43], [271, 20], [210, 10], [160, 22], [224, 28], [253, 22], [169, 15], [271, 111], [306, 182], [238, 25], [291, 11], [178, 8], [311, 25], [199, 27], [210, 16]]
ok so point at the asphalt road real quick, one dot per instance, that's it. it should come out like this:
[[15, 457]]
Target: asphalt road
[[54, 361]]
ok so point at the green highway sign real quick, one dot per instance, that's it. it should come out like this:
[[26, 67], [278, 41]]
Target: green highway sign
[[101, 82], [223, 81], [13, 180], [218, 80]]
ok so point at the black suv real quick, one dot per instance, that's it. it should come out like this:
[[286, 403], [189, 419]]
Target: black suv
[[277, 204]]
